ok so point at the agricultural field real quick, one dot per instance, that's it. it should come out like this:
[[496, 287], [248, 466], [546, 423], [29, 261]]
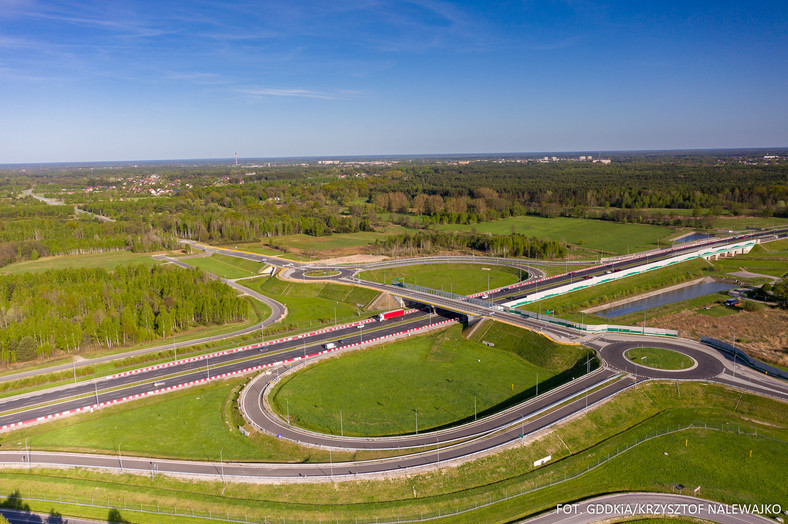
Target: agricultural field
[[598, 235], [462, 279]]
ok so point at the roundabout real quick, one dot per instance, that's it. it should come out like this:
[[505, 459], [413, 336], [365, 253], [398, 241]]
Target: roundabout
[[705, 365], [581, 405]]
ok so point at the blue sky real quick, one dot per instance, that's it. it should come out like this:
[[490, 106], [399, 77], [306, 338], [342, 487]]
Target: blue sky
[[144, 80]]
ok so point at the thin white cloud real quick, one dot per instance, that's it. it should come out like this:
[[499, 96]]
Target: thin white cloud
[[197, 78], [261, 92], [552, 46]]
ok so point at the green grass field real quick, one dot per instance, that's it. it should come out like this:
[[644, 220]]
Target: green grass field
[[226, 266], [314, 304], [102, 260], [659, 358], [718, 461], [532, 347], [435, 378], [463, 279], [194, 424], [599, 235], [740, 223]]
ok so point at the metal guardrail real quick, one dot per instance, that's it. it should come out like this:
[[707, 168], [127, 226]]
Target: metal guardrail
[[744, 357], [446, 294], [596, 328]]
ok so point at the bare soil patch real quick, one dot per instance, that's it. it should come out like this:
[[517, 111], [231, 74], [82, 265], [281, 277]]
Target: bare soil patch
[[351, 259], [761, 334]]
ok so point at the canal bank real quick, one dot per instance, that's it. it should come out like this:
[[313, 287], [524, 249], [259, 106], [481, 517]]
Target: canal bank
[[622, 302]]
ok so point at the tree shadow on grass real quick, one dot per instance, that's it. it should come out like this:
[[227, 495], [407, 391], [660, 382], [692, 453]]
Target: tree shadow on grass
[[114, 517]]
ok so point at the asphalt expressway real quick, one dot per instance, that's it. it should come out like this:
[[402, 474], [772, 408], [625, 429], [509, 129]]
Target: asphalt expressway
[[85, 394]]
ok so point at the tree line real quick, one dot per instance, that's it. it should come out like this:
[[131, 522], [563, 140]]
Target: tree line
[[428, 242], [74, 310]]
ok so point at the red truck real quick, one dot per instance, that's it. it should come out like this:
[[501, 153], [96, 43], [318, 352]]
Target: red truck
[[391, 314]]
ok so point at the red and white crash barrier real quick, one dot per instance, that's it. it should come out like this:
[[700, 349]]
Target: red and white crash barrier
[[598, 266], [244, 348], [91, 407]]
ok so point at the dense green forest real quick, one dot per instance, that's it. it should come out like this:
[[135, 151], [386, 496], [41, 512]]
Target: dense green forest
[[72, 310], [157, 204], [514, 245], [30, 229]]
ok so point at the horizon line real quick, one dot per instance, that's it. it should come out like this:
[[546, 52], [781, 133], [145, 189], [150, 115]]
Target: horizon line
[[231, 159]]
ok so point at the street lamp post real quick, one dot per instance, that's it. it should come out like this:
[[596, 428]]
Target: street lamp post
[[221, 461], [120, 458]]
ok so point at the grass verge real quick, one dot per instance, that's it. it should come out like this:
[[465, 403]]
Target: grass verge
[[226, 266], [623, 288], [310, 305], [718, 461]]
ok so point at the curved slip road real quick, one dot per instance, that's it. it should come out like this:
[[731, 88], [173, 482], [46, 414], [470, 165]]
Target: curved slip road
[[265, 421], [482, 440], [346, 470], [631, 505]]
